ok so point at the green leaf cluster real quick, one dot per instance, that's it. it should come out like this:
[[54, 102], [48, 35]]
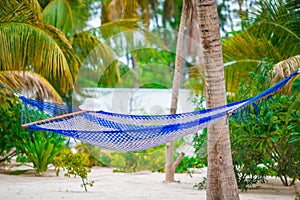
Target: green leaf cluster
[[40, 149], [271, 32], [10, 130], [264, 137], [75, 164]]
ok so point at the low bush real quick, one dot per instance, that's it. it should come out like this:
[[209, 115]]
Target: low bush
[[40, 149], [11, 132], [74, 164]]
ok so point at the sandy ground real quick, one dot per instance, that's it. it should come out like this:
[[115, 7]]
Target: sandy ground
[[121, 186]]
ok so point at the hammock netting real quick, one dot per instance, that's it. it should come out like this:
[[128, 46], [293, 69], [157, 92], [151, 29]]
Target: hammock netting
[[124, 132]]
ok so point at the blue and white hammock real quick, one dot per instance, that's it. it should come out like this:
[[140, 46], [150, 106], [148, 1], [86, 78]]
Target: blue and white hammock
[[133, 132]]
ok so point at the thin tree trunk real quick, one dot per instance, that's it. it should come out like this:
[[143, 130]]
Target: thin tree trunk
[[170, 166], [221, 182], [135, 70]]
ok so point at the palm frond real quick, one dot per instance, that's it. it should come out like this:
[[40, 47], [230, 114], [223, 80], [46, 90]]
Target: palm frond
[[85, 41], [285, 68], [273, 19], [121, 9], [40, 49], [29, 82], [19, 11], [135, 39], [109, 29], [69, 16], [96, 56], [245, 45], [236, 70], [274, 34], [59, 14]]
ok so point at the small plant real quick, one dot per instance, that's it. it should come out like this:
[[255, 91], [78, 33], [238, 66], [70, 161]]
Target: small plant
[[41, 149], [76, 164]]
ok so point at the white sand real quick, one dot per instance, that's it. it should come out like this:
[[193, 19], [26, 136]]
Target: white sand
[[109, 185]]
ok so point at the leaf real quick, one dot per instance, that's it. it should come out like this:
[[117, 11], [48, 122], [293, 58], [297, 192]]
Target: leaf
[[18, 172], [294, 139], [291, 126], [274, 138], [29, 81], [59, 14]]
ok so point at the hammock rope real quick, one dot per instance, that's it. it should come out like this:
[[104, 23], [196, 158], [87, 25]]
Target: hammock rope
[[124, 132]]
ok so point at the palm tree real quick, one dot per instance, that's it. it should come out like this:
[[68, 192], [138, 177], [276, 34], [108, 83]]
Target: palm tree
[[221, 182], [57, 33], [272, 32], [29, 44]]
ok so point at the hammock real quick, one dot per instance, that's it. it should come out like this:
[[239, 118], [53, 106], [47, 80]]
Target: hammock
[[123, 132]]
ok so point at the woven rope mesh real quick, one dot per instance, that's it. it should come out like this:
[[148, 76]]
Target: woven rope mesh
[[132, 132]]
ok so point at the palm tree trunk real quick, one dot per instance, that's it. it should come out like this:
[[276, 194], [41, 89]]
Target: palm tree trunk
[[221, 182], [170, 166]]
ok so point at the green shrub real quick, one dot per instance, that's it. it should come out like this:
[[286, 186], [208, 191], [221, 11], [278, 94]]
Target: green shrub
[[40, 150], [264, 137], [11, 132], [76, 164], [265, 134], [93, 152], [189, 162], [269, 140]]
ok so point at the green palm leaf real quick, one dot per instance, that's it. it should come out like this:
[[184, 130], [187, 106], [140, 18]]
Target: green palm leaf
[[86, 42], [96, 56], [19, 11], [112, 28], [59, 14], [29, 47], [101, 58], [273, 34], [69, 16], [28, 43]]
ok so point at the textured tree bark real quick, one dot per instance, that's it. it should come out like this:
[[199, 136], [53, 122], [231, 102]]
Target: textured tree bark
[[221, 182], [170, 167]]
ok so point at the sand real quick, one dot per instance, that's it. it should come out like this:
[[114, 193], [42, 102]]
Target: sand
[[121, 186]]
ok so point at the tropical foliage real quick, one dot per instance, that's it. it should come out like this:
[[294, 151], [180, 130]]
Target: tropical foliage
[[38, 148], [22, 33], [48, 48], [267, 23], [152, 159], [268, 138], [11, 132], [265, 137]]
